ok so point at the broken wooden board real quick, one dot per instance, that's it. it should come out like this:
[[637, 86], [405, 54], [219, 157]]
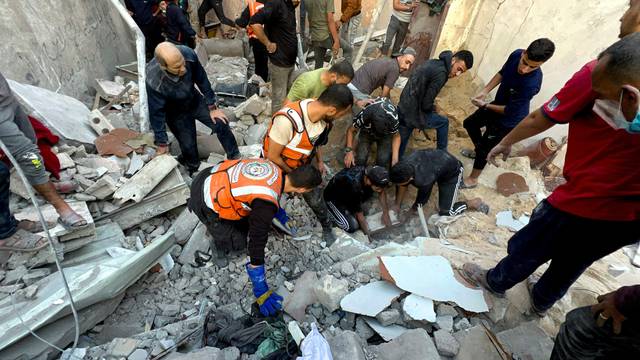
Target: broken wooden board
[[51, 217], [431, 277], [142, 183], [370, 299]]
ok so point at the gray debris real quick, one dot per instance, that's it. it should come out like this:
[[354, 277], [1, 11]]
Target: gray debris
[[445, 322], [446, 344], [330, 291], [389, 317]]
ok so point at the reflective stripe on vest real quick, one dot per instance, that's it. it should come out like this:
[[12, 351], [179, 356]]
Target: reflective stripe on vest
[[298, 122], [254, 6]]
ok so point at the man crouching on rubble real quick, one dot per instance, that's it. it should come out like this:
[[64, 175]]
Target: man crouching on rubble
[[19, 138], [174, 101], [237, 199]]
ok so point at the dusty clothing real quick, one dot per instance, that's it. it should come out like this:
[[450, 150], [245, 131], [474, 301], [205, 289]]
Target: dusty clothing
[[376, 74], [601, 167], [317, 11], [8, 223], [307, 86], [282, 128], [403, 16], [321, 47], [347, 189], [580, 338], [396, 32], [418, 96], [484, 142], [281, 79], [383, 145], [18, 135], [350, 8], [260, 53], [342, 217], [279, 20]]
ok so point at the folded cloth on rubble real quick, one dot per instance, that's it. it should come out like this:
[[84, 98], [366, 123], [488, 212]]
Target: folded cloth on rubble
[[45, 140]]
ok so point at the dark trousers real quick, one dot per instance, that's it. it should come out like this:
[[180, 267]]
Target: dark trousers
[[342, 217], [320, 50], [580, 338], [261, 57], [493, 134], [227, 235], [152, 37], [8, 223], [398, 30], [183, 126], [383, 149], [572, 244], [433, 121], [316, 202], [448, 190]]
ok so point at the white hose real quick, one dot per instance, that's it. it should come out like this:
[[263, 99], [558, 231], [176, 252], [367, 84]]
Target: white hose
[[53, 250]]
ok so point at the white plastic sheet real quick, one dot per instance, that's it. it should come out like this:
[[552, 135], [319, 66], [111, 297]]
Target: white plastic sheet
[[315, 346]]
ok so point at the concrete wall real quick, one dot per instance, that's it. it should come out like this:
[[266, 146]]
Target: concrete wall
[[491, 29], [64, 44]]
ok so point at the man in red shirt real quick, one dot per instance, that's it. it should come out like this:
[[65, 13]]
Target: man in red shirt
[[598, 210]]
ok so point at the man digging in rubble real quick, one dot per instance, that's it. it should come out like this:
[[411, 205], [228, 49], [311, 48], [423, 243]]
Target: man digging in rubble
[[376, 124], [381, 73], [311, 84], [425, 168], [174, 101], [520, 79], [238, 199], [19, 138], [597, 211], [349, 189], [296, 135]]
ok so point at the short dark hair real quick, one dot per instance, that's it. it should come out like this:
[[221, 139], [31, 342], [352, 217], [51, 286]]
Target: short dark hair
[[343, 68], [306, 176], [541, 50], [337, 95], [401, 172], [466, 56], [623, 59]]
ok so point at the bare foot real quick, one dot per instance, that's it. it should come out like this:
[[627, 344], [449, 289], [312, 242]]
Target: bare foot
[[469, 183]]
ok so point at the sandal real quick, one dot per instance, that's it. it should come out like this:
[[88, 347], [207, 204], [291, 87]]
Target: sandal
[[23, 241], [475, 275], [465, 186], [468, 153], [70, 225]]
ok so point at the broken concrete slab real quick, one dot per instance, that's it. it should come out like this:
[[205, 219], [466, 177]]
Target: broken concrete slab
[[388, 333], [96, 162], [419, 308], [346, 247], [375, 221], [109, 235], [136, 164], [527, 341], [431, 277], [446, 344], [184, 226], [146, 179], [388, 317], [345, 345], [102, 188], [99, 123], [206, 353], [303, 296], [412, 345], [370, 299], [17, 187], [63, 115], [199, 241], [51, 217], [330, 291], [65, 161], [476, 344], [121, 347], [108, 89], [510, 183]]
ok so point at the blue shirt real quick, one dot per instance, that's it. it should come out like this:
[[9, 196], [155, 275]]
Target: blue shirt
[[516, 90]]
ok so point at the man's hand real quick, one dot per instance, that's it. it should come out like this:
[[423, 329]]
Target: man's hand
[[386, 219], [161, 150], [217, 114], [272, 47], [396, 209], [478, 102], [349, 160], [606, 309], [338, 24], [336, 47], [499, 149], [364, 102]]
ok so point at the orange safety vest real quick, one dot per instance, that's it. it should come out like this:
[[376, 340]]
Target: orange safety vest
[[234, 184], [254, 6], [300, 149]]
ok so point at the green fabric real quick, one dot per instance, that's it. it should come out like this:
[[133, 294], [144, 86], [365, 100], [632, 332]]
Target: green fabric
[[308, 85], [276, 339], [317, 11]]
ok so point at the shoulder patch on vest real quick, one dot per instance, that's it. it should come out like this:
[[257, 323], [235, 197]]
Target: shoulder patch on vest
[[257, 170]]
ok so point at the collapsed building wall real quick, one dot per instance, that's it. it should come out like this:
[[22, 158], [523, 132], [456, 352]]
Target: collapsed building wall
[[63, 45], [492, 29]]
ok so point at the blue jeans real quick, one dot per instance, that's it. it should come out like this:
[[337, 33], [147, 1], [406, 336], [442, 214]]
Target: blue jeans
[[434, 121], [570, 242], [8, 224]]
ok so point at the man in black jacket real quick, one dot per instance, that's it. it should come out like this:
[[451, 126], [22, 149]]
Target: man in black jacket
[[179, 30], [416, 108]]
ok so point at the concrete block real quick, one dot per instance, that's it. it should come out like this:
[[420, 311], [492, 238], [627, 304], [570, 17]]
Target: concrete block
[[103, 188], [388, 317], [446, 344], [99, 123], [412, 345], [330, 291], [34, 275], [199, 241], [184, 226], [346, 345], [527, 341], [146, 179], [303, 296], [139, 354], [65, 161], [120, 347], [445, 322], [256, 134]]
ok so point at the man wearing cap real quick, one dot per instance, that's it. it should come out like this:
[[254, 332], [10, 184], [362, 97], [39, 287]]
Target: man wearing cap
[[377, 124], [380, 73], [349, 189]]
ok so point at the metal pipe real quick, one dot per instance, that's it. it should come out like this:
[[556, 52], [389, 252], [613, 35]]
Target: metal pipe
[[141, 58]]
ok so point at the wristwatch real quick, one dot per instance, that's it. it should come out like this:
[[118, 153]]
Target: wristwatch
[[348, 149]]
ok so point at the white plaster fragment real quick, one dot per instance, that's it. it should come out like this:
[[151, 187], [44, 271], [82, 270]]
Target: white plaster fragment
[[505, 219], [419, 308], [370, 299], [388, 333]]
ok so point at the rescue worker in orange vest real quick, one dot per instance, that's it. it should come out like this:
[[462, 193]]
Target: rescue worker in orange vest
[[238, 199], [260, 53], [296, 135]]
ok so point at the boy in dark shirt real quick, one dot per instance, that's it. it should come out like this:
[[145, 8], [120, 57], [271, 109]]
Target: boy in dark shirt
[[349, 189], [520, 80], [423, 169]]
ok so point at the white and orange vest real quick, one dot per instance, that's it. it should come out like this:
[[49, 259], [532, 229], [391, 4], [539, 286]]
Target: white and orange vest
[[299, 150], [234, 184], [254, 6]]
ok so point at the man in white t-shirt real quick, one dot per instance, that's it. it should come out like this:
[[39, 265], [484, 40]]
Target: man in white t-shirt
[[398, 25]]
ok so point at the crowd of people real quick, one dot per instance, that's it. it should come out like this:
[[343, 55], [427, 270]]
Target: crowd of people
[[594, 214]]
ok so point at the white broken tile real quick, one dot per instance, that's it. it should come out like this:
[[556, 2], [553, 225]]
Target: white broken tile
[[419, 308], [388, 333], [370, 299], [136, 164], [431, 277], [65, 161], [375, 220], [505, 219]]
